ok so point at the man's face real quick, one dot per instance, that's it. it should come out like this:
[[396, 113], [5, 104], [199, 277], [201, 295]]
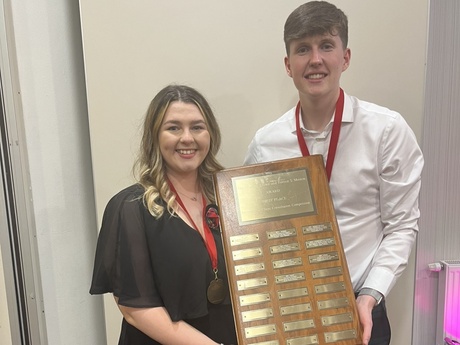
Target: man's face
[[316, 63]]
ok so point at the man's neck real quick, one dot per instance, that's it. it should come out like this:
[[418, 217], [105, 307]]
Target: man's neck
[[317, 112]]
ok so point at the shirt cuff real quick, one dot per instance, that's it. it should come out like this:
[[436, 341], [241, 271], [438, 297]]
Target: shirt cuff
[[380, 279], [373, 293]]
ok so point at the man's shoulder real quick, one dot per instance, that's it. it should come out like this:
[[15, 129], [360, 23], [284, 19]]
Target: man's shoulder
[[284, 122], [276, 140], [372, 117], [367, 108]]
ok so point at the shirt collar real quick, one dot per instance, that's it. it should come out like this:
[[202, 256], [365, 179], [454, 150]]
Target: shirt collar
[[347, 117]]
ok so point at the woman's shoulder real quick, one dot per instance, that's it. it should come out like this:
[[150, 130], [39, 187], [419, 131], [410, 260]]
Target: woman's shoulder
[[128, 196], [135, 191]]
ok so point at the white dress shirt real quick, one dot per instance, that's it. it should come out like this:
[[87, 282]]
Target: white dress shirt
[[375, 184]]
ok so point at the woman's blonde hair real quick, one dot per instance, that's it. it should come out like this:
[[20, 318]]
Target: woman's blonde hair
[[149, 168]]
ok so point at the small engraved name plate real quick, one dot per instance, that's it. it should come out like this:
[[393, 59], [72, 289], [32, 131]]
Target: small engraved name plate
[[259, 314], [289, 278], [247, 253], [296, 325], [243, 239], [333, 303], [258, 331], [332, 287], [335, 319], [308, 340], [283, 248], [324, 242], [249, 268], [287, 263], [292, 293], [327, 272], [247, 284], [324, 257], [281, 233], [295, 309], [332, 337], [310, 229], [254, 299]]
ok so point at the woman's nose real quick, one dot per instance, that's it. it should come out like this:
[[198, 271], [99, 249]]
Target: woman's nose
[[186, 136]]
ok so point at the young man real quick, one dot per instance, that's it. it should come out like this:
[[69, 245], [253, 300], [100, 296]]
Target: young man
[[372, 158]]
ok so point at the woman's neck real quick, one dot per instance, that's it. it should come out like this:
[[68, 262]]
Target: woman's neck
[[185, 183]]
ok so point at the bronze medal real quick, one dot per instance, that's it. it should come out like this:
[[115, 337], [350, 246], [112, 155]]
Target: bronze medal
[[216, 291]]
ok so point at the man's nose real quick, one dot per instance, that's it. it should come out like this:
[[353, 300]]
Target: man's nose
[[316, 57]]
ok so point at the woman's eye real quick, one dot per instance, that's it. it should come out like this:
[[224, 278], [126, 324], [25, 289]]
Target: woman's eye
[[172, 128]]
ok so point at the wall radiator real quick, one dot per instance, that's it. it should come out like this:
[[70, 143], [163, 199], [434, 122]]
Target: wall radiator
[[448, 314]]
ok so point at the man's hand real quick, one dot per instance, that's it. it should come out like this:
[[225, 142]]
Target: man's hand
[[365, 304]]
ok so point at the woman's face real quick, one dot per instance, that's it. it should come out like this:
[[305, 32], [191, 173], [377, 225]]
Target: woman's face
[[184, 139]]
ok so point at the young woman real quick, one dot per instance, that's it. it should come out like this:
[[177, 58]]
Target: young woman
[[159, 249]]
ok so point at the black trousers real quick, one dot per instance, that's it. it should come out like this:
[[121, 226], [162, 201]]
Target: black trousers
[[381, 331]]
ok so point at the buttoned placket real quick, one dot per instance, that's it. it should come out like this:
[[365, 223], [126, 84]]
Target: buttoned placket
[[318, 142]]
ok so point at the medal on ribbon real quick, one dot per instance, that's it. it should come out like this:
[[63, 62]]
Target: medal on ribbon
[[217, 291]]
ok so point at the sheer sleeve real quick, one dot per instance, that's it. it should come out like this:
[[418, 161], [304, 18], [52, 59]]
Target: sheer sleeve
[[122, 262]]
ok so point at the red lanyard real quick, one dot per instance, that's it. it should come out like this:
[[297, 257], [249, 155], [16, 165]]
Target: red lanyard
[[209, 238], [334, 138]]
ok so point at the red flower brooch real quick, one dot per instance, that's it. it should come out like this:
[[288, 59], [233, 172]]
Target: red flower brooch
[[212, 217]]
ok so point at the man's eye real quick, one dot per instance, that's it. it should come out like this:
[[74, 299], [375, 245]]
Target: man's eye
[[302, 50]]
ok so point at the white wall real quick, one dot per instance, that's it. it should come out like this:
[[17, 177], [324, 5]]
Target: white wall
[[49, 57], [233, 52]]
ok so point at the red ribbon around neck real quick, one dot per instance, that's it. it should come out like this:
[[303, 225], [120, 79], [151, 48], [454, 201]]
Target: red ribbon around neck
[[209, 238], [334, 138]]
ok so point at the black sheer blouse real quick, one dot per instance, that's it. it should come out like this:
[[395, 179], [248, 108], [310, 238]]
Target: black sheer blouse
[[148, 262]]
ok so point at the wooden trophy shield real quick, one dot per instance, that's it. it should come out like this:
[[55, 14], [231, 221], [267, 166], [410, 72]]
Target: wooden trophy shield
[[288, 276]]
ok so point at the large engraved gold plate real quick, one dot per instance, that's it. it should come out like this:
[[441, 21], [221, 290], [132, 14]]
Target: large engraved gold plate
[[288, 276]]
